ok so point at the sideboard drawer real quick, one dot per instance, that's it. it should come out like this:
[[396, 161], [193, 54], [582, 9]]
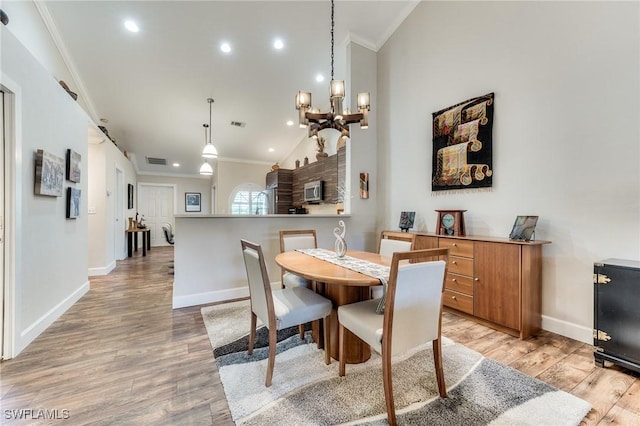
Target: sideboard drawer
[[460, 266], [459, 283], [459, 301], [462, 248]]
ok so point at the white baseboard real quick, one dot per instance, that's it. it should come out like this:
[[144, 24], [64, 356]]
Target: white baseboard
[[568, 329], [42, 323], [102, 270], [214, 296]]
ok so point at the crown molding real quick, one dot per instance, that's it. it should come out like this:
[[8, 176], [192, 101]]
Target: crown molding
[[49, 22]]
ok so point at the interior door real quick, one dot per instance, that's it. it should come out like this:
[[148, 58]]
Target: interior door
[[155, 203], [119, 241]]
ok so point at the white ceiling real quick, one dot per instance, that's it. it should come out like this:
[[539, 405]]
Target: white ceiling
[[152, 85]]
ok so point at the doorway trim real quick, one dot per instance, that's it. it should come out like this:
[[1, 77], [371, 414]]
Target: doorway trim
[[12, 209]]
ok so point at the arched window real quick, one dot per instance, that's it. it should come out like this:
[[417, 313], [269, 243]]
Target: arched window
[[249, 198]]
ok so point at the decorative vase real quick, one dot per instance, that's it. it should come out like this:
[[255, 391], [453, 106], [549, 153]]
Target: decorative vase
[[321, 155], [340, 244], [297, 164], [306, 161]]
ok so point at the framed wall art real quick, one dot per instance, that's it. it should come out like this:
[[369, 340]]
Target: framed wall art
[[73, 166], [73, 203], [364, 185], [129, 196], [524, 228], [462, 145], [49, 174], [192, 202], [406, 220]]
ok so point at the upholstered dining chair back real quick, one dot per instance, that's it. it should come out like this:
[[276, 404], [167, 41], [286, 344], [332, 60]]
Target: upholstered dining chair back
[[412, 315], [415, 297], [259, 286], [392, 241], [282, 308], [293, 239]]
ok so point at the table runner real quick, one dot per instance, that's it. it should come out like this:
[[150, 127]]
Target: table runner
[[365, 267]]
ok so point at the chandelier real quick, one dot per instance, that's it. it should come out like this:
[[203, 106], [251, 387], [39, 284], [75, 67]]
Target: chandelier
[[336, 118], [209, 150]]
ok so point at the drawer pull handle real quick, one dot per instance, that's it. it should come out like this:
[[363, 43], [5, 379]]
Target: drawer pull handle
[[454, 280], [454, 262], [476, 279], [455, 245], [453, 297]]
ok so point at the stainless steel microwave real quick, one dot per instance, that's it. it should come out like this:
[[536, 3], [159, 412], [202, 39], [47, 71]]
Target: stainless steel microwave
[[313, 191]]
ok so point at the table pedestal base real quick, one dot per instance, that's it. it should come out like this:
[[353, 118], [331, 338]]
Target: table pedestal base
[[356, 351]]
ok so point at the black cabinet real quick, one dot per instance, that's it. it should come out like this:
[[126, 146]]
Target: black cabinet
[[616, 334]]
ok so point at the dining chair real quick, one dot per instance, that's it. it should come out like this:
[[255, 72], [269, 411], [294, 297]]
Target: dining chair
[[282, 308], [412, 316], [293, 239], [390, 242]]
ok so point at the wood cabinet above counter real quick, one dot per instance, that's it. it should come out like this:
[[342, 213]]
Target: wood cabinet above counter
[[331, 170]]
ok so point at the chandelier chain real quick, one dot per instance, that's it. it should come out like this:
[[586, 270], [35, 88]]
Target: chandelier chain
[[332, 25]]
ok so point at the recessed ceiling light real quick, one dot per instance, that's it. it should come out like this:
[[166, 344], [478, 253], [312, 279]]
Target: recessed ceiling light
[[225, 47], [289, 123], [271, 149], [176, 164], [319, 78], [278, 44], [131, 26]]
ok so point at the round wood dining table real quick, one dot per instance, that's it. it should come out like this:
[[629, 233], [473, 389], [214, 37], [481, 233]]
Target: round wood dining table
[[340, 285]]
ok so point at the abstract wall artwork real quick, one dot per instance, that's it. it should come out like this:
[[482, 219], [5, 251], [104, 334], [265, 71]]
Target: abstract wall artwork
[[73, 203], [73, 166], [462, 152], [49, 177], [129, 196], [406, 220], [364, 185]]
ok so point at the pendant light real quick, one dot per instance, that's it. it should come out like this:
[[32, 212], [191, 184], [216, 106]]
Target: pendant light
[[206, 168], [209, 150], [337, 118]]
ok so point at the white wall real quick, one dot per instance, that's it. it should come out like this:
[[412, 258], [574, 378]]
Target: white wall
[[230, 174], [51, 251], [566, 143], [184, 184]]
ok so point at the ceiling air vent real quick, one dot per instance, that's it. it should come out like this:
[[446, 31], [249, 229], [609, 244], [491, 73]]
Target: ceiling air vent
[[238, 123], [157, 161]]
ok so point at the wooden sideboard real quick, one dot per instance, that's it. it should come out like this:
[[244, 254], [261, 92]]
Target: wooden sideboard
[[495, 281]]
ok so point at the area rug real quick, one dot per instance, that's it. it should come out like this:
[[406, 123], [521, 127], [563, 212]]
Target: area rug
[[305, 391]]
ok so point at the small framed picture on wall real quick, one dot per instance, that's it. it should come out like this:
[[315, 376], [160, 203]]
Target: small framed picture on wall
[[192, 202]]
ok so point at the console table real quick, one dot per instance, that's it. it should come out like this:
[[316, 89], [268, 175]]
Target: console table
[[132, 240], [495, 281]]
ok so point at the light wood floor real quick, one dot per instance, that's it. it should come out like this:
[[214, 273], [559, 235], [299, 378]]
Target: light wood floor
[[121, 355]]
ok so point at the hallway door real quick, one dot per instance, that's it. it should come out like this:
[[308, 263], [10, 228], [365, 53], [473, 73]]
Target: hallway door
[[155, 203]]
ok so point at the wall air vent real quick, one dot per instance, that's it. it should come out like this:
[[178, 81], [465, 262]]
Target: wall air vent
[[157, 161], [238, 123]]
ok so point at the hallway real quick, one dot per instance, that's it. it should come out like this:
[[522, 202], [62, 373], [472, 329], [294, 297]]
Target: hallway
[[120, 355]]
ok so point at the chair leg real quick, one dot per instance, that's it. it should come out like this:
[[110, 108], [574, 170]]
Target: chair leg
[[326, 322], [301, 331], [272, 356], [437, 361], [341, 354], [388, 387], [252, 333]]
